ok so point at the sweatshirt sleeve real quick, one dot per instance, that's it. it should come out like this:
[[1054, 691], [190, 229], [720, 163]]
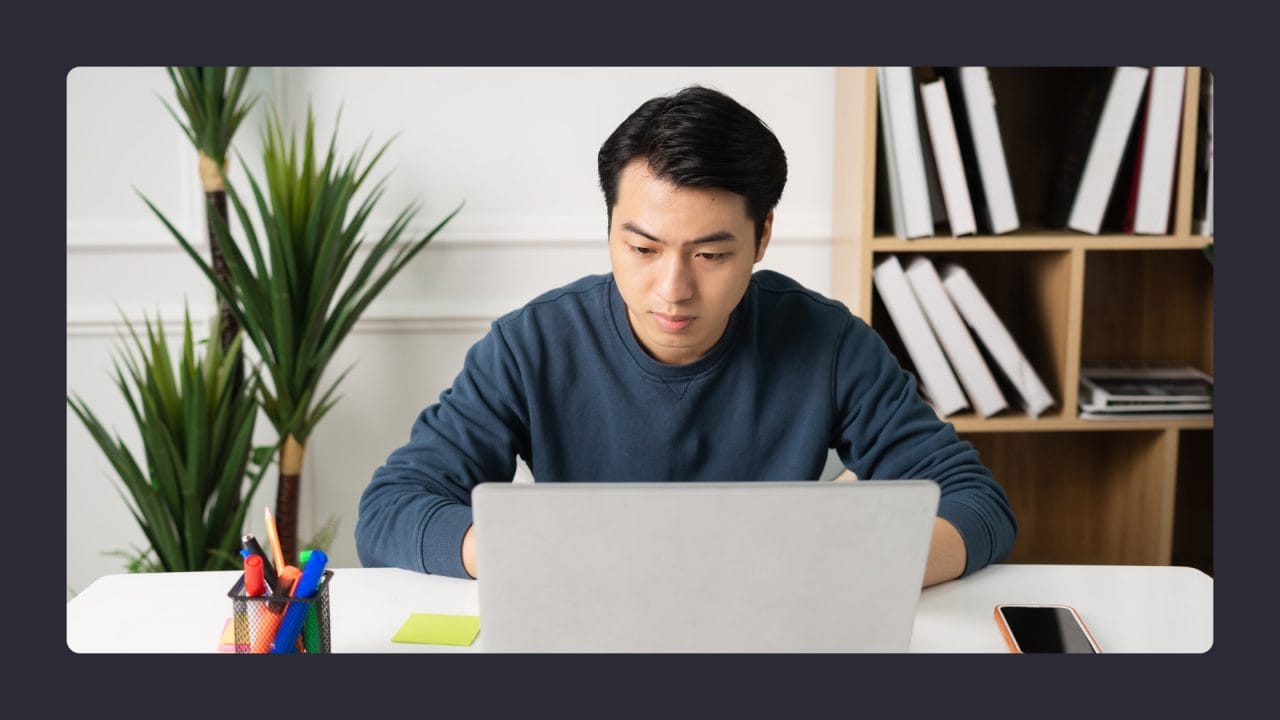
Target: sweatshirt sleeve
[[886, 431], [417, 507]]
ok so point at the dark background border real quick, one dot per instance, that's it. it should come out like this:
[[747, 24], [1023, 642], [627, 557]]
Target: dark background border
[[43, 44]]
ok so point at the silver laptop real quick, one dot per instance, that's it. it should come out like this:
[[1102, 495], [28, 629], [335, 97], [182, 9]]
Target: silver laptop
[[701, 567]]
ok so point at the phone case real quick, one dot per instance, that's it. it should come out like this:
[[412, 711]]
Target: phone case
[[1008, 634]]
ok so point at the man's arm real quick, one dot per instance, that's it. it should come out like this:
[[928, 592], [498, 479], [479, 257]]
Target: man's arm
[[417, 509], [946, 554], [887, 432], [469, 552]]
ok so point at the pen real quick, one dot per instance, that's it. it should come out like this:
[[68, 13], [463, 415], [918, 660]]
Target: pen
[[268, 572], [306, 587], [273, 537]]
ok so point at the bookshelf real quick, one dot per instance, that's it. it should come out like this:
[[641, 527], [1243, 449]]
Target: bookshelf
[[1084, 491]]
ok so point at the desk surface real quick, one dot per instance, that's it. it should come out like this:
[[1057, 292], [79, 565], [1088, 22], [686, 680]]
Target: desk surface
[[1128, 608]]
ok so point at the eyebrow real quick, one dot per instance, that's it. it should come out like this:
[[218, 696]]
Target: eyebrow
[[720, 236]]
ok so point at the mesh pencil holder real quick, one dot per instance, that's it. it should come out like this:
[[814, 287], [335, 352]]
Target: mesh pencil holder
[[261, 623]]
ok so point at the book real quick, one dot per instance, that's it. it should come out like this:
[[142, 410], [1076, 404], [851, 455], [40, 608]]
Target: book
[[1130, 167], [1145, 415], [1123, 203], [946, 155], [1204, 159], [908, 184], [937, 381], [1107, 148], [1142, 390], [937, 203], [973, 108], [968, 151], [994, 336], [1159, 151], [976, 378]]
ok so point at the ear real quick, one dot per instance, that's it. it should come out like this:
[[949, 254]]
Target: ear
[[764, 236]]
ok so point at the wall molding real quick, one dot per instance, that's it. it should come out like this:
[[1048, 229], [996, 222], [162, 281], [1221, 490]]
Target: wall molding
[[105, 320], [125, 236]]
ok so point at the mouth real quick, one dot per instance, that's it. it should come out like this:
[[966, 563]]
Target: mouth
[[672, 323]]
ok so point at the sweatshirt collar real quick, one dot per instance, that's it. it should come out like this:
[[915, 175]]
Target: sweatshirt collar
[[622, 326]]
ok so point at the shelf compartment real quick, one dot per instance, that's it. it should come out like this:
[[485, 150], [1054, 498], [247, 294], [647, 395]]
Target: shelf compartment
[[1028, 291], [1193, 516], [1037, 109], [1148, 308], [1086, 497]]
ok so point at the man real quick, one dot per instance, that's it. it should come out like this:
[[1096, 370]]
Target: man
[[680, 365]]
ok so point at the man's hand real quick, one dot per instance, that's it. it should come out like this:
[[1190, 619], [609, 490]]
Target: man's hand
[[947, 554], [469, 551]]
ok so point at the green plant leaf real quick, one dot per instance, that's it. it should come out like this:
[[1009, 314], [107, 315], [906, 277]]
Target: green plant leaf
[[213, 104], [190, 501]]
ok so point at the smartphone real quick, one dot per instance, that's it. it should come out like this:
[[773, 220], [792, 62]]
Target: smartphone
[[1044, 629]]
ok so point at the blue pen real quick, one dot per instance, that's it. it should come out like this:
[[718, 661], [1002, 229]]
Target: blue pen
[[308, 584]]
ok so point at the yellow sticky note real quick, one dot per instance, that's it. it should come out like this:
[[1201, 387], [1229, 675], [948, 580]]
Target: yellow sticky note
[[431, 629], [227, 643]]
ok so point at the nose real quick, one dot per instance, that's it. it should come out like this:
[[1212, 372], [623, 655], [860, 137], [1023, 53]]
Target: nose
[[675, 285]]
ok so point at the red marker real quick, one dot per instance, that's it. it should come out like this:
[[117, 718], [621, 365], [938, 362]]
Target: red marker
[[254, 586], [254, 583]]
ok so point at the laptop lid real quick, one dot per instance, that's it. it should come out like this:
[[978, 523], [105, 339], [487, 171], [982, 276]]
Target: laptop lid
[[701, 567]]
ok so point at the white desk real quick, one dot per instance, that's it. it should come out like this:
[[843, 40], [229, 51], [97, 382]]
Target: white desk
[[1128, 608]]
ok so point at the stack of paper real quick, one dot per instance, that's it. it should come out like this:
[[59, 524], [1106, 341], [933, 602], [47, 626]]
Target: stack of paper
[[1144, 391]]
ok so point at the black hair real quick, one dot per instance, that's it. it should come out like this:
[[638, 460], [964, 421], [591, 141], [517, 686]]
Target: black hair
[[699, 137]]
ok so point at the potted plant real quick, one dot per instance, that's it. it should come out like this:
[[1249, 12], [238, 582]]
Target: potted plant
[[213, 107], [301, 290], [187, 491]]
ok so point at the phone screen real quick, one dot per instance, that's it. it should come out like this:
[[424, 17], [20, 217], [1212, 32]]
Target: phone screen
[[1046, 630]]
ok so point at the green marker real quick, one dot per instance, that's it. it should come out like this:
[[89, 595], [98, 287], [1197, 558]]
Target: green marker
[[311, 625]]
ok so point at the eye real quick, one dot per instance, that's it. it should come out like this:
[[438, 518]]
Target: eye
[[641, 250], [713, 257]]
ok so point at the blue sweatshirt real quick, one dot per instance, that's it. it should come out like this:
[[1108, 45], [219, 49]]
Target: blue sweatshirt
[[563, 383]]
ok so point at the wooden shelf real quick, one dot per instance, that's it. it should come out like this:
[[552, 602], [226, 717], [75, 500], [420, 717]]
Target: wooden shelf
[[1039, 241], [1083, 491], [968, 423]]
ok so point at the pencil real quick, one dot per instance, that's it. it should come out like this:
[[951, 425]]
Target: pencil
[[276, 552]]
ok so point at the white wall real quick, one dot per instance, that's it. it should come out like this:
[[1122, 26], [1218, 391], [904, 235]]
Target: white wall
[[517, 144]]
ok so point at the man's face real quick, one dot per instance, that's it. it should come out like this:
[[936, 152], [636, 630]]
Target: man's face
[[682, 258]]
